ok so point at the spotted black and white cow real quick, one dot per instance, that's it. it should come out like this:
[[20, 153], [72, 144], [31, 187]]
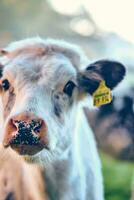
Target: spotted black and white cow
[[115, 124], [43, 87]]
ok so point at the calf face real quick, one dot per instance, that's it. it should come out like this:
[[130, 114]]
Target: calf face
[[41, 85]]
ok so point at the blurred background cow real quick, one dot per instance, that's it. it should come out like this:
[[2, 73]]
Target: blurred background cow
[[113, 125]]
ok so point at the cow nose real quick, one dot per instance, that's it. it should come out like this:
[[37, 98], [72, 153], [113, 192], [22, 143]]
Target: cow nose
[[26, 133], [22, 127]]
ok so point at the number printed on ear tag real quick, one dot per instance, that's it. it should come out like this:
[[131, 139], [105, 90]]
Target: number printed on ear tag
[[102, 95]]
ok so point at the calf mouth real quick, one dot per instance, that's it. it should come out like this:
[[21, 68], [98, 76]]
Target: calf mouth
[[25, 142], [26, 145], [24, 149]]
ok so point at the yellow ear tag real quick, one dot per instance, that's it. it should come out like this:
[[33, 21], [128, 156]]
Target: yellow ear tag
[[102, 95]]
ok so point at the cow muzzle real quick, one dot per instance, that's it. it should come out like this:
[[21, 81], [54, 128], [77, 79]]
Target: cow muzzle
[[26, 133]]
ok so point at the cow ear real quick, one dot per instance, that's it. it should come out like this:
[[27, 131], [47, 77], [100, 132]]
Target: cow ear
[[110, 71]]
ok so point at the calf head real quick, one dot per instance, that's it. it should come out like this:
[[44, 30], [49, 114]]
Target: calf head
[[41, 85]]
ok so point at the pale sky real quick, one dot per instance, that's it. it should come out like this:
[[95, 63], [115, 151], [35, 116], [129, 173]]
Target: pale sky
[[110, 15]]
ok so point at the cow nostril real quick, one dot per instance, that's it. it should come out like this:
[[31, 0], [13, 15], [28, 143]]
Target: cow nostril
[[13, 125], [37, 125], [23, 125]]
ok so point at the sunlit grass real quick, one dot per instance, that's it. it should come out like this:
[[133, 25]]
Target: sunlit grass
[[117, 178]]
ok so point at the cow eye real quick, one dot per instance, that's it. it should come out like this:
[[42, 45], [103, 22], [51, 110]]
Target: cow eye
[[68, 89], [5, 85]]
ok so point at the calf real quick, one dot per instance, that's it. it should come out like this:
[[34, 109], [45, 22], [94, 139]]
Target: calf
[[42, 85]]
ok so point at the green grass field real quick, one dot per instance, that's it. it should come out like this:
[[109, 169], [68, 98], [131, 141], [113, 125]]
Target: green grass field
[[117, 178]]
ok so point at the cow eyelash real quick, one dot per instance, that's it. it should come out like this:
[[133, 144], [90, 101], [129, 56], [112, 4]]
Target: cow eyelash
[[5, 85], [68, 89]]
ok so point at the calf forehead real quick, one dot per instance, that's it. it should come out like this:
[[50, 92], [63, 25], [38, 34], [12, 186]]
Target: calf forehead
[[45, 67], [35, 59]]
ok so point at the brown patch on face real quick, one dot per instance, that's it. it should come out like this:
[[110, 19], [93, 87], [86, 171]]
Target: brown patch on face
[[8, 99]]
